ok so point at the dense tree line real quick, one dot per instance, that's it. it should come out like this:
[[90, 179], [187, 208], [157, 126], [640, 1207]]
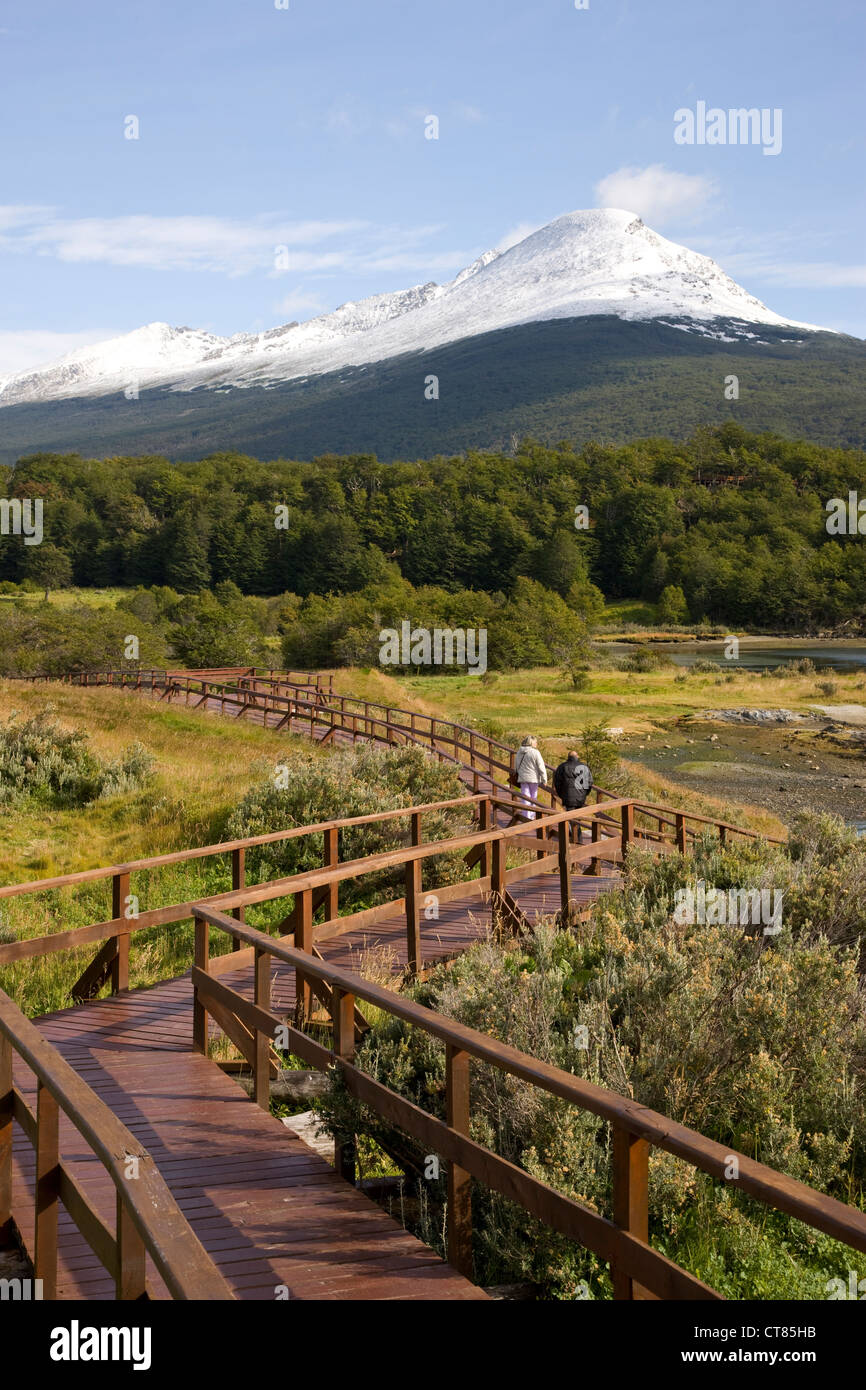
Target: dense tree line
[[737, 521]]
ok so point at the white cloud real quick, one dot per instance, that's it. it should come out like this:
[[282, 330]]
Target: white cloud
[[802, 275], [516, 234], [781, 259], [220, 245], [231, 246], [300, 304], [465, 111], [656, 194], [34, 347]]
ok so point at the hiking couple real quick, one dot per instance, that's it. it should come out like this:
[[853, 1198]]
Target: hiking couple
[[572, 780]]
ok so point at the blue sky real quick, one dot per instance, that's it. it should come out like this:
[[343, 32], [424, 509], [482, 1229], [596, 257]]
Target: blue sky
[[305, 128]]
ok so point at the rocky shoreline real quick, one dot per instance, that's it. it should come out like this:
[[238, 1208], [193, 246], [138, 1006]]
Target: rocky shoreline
[[780, 760]]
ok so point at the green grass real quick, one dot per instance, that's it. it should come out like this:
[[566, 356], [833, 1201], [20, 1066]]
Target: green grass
[[542, 701], [627, 612], [204, 765], [69, 598]]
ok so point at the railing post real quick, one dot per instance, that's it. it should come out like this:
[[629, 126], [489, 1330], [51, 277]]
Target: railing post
[[627, 827], [595, 830], [630, 1200], [485, 821], [120, 964], [262, 997], [413, 915], [723, 835], [416, 828], [47, 1189], [343, 1021], [498, 853], [130, 1282], [239, 879], [5, 1138], [332, 858], [681, 832], [564, 867], [302, 921], [199, 1012], [459, 1181]]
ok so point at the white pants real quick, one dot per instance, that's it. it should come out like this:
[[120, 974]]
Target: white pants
[[529, 792]]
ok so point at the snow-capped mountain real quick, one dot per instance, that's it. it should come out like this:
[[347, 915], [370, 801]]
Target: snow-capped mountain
[[601, 262]]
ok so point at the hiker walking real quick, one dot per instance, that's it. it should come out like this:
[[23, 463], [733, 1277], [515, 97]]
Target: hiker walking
[[530, 771], [572, 783]]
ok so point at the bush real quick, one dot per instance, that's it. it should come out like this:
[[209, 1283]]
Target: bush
[[351, 782], [759, 1044], [644, 659], [45, 763], [672, 609]]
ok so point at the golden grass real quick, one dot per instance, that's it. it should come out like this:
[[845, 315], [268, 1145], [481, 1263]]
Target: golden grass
[[541, 701], [69, 598], [204, 764]]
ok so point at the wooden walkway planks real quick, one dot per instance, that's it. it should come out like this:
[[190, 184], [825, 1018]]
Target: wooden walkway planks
[[160, 1017], [270, 1211]]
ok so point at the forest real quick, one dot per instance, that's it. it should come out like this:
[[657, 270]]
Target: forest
[[727, 528]]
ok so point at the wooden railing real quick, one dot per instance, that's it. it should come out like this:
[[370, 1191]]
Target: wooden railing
[[115, 931], [281, 696], [147, 677], [148, 1219], [614, 824], [638, 1271]]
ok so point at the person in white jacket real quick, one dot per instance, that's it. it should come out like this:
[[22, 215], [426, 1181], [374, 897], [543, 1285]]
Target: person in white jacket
[[530, 772]]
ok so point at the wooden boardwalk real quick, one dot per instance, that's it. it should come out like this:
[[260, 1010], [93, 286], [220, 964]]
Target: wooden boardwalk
[[228, 1201], [276, 1218]]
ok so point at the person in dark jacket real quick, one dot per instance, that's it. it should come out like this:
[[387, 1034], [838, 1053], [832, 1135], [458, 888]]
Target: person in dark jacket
[[572, 783]]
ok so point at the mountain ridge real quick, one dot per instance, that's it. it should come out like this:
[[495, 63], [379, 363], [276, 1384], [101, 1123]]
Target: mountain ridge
[[585, 264], [578, 379]]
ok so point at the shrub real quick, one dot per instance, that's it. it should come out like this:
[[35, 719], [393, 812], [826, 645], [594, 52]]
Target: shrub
[[672, 609], [351, 782], [41, 761], [644, 659], [759, 1044]]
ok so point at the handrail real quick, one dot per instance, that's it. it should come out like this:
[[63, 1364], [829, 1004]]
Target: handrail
[[148, 1217], [39, 885], [329, 877], [635, 1126]]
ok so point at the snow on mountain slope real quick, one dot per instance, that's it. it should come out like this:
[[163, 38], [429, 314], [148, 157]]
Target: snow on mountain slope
[[595, 262]]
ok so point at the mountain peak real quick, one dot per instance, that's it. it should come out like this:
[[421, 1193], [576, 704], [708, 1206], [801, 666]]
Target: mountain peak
[[596, 261]]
